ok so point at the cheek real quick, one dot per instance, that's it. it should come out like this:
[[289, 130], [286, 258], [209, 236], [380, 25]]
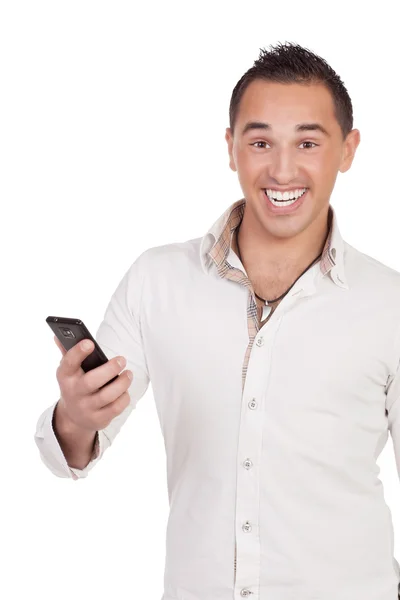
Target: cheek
[[249, 167], [250, 159], [244, 157], [320, 167], [323, 174]]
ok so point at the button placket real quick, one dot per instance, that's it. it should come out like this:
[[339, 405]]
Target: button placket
[[250, 441]]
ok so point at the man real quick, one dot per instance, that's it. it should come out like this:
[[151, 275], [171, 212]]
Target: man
[[273, 349]]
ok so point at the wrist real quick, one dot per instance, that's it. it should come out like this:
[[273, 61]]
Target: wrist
[[64, 426]]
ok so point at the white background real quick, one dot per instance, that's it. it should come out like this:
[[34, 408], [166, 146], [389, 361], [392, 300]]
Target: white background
[[112, 124]]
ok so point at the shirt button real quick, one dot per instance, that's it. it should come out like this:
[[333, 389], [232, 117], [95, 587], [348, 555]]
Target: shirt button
[[252, 404], [246, 527], [247, 464], [260, 341], [245, 593]]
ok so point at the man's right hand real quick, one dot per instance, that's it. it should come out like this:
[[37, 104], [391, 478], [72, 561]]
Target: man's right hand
[[81, 401]]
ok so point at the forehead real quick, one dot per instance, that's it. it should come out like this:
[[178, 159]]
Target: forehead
[[294, 102]]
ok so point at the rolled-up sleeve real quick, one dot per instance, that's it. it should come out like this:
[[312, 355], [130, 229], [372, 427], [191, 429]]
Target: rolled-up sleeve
[[118, 334]]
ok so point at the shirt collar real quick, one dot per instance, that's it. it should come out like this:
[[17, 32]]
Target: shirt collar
[[217, 242]]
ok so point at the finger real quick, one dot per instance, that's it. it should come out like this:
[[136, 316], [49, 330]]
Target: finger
[[95, 378], [73, 358], [61, 347], [108, 394], [115, 408]]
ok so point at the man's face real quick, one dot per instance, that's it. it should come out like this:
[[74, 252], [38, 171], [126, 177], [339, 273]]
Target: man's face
[[281, 157]]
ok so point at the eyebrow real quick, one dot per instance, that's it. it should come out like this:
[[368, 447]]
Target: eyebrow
[[300, 127]]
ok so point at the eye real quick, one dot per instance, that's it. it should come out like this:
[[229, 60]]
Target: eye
[[254, 143], [309, 143], [260, 142]]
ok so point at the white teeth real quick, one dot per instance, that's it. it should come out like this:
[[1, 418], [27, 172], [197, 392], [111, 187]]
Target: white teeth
[[283, 203], [286, 195]]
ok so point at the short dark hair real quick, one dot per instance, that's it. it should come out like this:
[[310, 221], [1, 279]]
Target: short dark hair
[[291, 63]]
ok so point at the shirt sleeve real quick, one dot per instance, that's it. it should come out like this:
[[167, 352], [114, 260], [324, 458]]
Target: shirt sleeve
[[118, 334], [393, 407]]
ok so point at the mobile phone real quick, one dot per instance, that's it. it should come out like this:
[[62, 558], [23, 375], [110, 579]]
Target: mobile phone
[[72, 331]]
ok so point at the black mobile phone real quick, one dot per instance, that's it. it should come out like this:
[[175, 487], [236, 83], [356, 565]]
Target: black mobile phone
[[72, 331]]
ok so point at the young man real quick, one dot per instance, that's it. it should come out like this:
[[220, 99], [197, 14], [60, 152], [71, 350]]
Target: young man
[[273, 349]]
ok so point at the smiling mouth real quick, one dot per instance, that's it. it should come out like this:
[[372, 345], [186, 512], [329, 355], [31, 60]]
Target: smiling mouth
[[282, 203]]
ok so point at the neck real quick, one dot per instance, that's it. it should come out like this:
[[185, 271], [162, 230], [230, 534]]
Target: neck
[[264, 253]]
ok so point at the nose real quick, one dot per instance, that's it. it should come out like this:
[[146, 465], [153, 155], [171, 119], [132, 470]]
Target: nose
[[283, 168]]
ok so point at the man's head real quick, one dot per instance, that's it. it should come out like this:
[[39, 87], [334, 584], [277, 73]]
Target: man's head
[[286, 88]]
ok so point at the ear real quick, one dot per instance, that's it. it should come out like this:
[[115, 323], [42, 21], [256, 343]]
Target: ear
[[229, 139], [349, 149]]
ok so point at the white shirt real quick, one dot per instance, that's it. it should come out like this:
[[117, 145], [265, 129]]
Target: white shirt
[[271, 433]]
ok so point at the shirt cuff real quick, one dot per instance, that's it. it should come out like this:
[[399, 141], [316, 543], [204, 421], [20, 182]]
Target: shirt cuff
[[51, 453]]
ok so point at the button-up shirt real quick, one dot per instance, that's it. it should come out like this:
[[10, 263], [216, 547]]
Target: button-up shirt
[[271, 432]]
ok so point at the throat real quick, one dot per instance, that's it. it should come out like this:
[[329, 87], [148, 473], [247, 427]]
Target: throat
[[270, 272], [270, 281]]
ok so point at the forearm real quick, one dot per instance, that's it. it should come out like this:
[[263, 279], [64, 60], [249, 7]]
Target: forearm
[[76, 444]]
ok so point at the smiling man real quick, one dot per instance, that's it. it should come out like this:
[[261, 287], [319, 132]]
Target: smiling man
[[287, 168], [273, 349]]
